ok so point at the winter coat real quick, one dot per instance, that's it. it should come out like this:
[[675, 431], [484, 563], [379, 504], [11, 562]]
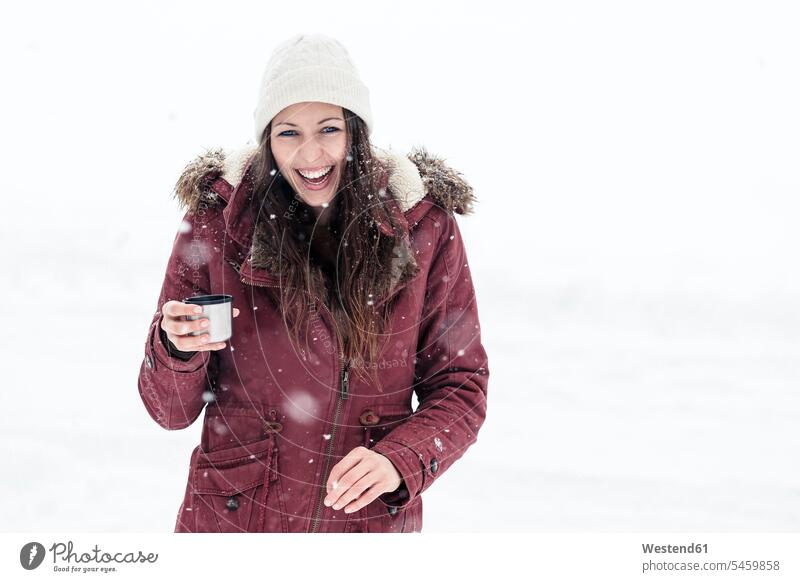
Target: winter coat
[[276, 421]]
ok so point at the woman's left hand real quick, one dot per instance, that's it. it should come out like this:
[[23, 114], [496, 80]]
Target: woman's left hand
[[360, 478]]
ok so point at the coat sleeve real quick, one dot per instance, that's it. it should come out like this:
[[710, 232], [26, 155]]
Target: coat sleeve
[[451, 374], [172, 386]]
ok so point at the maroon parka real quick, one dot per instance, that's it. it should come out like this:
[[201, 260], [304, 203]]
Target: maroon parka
[[277, 420]]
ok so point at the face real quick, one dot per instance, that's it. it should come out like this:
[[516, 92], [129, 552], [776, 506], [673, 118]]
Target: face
[[309, 144]]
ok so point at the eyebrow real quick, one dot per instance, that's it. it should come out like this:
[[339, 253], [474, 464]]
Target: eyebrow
[[320, 123]]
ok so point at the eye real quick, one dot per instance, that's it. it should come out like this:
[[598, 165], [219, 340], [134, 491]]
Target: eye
[[284, 133]]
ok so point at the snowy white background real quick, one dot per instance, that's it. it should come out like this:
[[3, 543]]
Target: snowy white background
[[634, 248]]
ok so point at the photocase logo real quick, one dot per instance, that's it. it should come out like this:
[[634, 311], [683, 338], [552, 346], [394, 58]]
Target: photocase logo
[[31, 555]]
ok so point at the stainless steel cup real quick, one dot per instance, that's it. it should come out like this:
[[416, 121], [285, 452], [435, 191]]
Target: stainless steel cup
[[219, 311]]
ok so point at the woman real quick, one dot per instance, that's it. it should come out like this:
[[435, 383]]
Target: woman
[[351, 290]]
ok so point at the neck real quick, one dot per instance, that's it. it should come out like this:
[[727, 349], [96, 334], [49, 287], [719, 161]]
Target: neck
[[325, 215]]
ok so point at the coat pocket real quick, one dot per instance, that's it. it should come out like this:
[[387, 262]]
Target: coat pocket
[[230, 486]]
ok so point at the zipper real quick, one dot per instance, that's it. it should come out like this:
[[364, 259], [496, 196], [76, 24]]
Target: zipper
[[344, 384], [344, 379]]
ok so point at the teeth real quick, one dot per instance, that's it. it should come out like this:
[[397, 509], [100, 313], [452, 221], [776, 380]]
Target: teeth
[[315, 175]]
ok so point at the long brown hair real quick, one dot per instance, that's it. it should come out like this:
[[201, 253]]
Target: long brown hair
[[364, 253]]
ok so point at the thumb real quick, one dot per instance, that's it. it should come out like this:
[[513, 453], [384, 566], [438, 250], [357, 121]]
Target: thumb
[[235, 312]]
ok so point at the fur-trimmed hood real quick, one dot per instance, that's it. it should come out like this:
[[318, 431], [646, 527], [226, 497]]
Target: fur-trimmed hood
[[411, 177], [213, 178]]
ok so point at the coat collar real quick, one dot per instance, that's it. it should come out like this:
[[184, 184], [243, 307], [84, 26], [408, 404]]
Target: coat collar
[[414, 182]]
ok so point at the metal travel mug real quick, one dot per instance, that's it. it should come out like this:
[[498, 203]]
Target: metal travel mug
[[219, 311]]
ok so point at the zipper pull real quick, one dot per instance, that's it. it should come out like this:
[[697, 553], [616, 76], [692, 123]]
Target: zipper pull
[[345, 382]]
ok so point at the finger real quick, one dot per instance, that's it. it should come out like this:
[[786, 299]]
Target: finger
[[178, 308], [214, 347], [211, 347], [353, 494], [235, 312], [340, 468], [344, 493], [193, 343], [183, 328], [367, 497]]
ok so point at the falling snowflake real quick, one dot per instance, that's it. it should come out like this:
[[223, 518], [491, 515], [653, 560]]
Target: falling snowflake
[[452, 236], [208, 396], [272, 217], [327, 437], [324, 204], [185, 226], [311, 460], [272, 172], [460, 352], [438, 443]]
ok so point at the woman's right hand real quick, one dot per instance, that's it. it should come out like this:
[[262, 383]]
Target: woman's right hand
[[177, 326]]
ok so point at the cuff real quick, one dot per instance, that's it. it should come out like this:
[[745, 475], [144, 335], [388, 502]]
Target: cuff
[[160, 356], [411, 468], [395, 498], [171, 349]]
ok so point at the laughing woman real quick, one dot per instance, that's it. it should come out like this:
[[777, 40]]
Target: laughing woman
[[352, 293]]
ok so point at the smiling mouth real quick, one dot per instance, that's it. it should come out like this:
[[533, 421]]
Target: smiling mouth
[[315, 175], [315, 178]]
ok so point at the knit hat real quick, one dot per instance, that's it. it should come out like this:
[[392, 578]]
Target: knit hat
[[310, 67]]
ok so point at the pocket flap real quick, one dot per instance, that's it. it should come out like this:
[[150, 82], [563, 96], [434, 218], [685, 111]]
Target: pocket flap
[[233, 470]]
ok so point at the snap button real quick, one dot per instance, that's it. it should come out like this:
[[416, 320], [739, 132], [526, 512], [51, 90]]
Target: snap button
[[232, 503], [391, 509], [369, 418], [148, 361], [434, 465]]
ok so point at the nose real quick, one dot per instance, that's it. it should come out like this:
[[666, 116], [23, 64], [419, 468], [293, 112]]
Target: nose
[[309, 152]]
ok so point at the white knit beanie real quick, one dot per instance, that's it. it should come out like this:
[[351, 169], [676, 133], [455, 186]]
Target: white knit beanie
[[310, 67]]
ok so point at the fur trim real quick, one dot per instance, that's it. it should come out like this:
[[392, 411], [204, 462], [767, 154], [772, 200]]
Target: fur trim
[[193, 188], [444, 184], [411, 177], [194, 185]]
